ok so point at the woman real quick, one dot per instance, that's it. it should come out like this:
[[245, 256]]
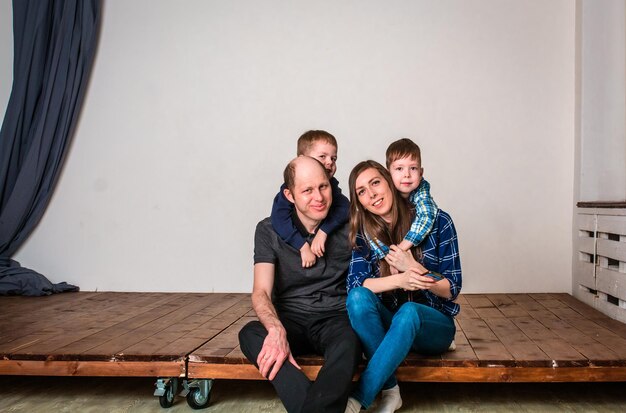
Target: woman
[[404, 302]]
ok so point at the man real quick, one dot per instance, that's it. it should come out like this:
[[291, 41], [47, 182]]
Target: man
[[302, 310]]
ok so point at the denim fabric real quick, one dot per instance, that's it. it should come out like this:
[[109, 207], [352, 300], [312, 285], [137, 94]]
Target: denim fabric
[[440, 251], [388, 337]]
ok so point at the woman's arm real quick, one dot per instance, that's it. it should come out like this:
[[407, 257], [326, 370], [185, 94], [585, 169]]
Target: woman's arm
[[389, 283], [448, 257], [364, 271], [440, 288], [418, 278], [360, 266]]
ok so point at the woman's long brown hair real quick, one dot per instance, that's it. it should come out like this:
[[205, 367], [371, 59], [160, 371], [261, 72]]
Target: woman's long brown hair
[[372, 225]]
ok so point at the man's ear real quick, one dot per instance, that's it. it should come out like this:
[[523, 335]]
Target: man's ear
[[288, 195]]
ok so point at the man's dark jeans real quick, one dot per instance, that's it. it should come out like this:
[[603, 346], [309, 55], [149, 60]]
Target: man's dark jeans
[[329, 335]]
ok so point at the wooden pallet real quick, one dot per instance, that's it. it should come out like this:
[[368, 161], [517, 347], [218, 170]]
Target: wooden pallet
[[599, 276], [500, 338]]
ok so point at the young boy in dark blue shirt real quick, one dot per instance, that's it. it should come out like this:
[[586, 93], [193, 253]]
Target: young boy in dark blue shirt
[[322, 146]]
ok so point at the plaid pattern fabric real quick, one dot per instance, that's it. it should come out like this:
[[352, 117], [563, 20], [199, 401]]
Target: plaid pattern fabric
[[377, 247], [425, 215], [440, 252]]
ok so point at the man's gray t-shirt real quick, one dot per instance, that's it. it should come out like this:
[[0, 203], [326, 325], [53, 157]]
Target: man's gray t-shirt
[[320, 288]]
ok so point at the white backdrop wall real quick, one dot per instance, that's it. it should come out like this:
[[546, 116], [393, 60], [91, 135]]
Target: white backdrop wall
[[6, 52], [194, 109], [603, 101]]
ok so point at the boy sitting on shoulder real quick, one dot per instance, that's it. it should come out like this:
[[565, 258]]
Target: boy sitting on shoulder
[[322, 146]]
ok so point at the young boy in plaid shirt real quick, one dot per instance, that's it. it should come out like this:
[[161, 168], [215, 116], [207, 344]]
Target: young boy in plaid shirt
[[404, 162]]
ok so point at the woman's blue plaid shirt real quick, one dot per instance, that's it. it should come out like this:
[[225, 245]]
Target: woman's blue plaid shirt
[[440, 251]]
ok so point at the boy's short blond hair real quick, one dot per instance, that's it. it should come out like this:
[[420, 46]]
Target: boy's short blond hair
[[403, 148], [309, 138]]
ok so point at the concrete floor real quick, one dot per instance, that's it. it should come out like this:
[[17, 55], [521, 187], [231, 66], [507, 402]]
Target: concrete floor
[[73, 394]]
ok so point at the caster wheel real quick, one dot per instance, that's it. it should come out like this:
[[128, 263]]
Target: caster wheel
[[199, 397], [167, 399]]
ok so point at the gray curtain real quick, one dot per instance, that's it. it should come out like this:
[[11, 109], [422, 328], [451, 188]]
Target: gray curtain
[[54, 46]]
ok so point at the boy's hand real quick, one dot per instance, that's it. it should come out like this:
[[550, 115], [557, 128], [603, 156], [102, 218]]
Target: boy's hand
[[405, 245], [308, 258], [400, 259], [317, 246]]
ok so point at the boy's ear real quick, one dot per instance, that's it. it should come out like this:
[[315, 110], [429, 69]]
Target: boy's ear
[[288, 195]]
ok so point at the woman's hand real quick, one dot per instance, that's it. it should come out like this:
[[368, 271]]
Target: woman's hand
[[403, 260], [412, 279], [418, 281], [405, 281]]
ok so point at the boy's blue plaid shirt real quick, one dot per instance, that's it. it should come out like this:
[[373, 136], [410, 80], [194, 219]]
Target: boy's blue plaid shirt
[[440, 253], [425, 214]]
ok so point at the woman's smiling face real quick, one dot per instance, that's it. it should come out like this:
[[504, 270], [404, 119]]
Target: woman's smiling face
[[374, 193]]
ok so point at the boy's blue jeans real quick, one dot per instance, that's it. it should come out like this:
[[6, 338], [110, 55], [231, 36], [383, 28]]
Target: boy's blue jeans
[[387, 338]]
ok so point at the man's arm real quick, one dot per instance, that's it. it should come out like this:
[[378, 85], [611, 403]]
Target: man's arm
[[275, 348]]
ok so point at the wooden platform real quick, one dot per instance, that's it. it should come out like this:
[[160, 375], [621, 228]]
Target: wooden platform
[[500, 338]]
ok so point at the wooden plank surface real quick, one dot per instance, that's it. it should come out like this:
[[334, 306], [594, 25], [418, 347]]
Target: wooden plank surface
[[115, 327], [439, 374], [92, 368], [500, 337]]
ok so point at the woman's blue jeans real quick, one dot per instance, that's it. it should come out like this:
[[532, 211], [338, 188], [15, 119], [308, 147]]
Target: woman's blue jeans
[[387, 338]]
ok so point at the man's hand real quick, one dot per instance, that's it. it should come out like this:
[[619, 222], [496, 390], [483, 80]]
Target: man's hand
[[274, 352], [275, 346], [318, 244], [308, 258]]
